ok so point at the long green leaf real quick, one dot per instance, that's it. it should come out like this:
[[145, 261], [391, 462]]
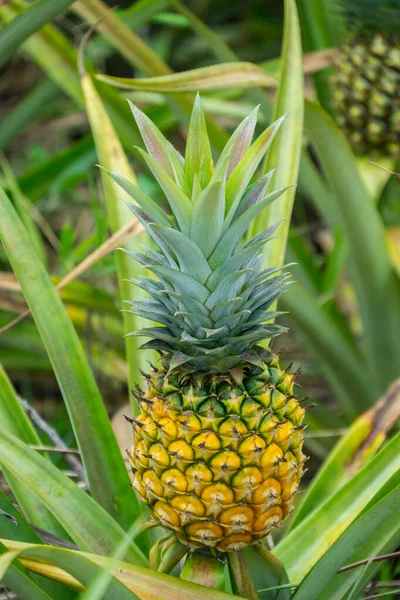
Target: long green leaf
[[14, 420], [384, 540], [101, 586], [15, 33], [341, 364], [323, 26], [216, 77], [354, 449], [17, 578], [143, 11], [144, 582], [112, 157], [58, 63], [377, 285], [77, 159], [107, 475], [77, 565], [344, 547], [286, 148], [303, 547], [313, 185], [90, 527], [15, 527], [24, 208]]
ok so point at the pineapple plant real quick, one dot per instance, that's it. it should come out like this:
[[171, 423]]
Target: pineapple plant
[[217, 451], [366, 82]]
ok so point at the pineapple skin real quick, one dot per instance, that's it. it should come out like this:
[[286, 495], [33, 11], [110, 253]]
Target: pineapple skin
[[218, 458], [366, 98]]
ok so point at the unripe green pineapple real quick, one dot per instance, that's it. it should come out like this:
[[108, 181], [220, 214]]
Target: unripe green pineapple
[[217, 452], [367, 77]]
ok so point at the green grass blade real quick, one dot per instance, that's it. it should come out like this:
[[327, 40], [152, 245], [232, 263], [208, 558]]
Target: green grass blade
[[326, 22], [15, 33], [143, 11], [112, 157], [50, 50], [216, 44], [335, 264], [303, 547], [78, 158], [90, 527], [107, 475], [14, 420], [313, 185], [323, 26], [337, 555], [290, 102], [341, 364], [377, 286], [383, 541], [26, 111], [24, 207]]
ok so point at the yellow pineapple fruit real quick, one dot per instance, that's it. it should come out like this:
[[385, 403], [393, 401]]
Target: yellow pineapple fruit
[[217, 451]]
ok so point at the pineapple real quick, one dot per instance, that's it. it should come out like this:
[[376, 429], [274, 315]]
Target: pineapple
[[367, 77], [217, 452]]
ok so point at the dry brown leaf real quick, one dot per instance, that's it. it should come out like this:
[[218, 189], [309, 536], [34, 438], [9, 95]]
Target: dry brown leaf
[[315, 61], [381, 419]]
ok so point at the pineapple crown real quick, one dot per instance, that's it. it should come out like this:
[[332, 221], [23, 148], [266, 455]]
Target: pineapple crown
[[209, 296], [375, 15]]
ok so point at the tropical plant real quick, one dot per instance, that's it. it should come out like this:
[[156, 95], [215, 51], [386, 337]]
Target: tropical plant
[[218, 432], [367, 77]]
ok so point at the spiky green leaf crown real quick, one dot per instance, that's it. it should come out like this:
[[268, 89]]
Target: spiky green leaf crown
[[372, 15], [210, 297]]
